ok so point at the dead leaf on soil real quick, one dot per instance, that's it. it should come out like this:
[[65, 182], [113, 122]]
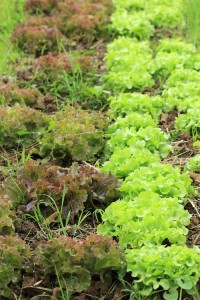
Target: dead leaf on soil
[[164, 118], [195, 176], [50, 219]]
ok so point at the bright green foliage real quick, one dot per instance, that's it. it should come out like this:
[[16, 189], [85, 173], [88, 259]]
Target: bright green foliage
[[150, 138], [133, 120], [175, 46], [164, 63], [13, 256], [20, 126], [134, 24], [6, 222], [119, 139], [153, 139], [188, 103], [195, 61], [151, 213], [145, 220], [139, 18], [126, 160], [182, 89], [143, 4], [136, 79], [182, 76], [183, 96], [166, 16], [189, 122], [172, 54], [102, 254], [125, 52], [129, 4], [142, 103], [74, 133], [192, 17], [159, 178], [11, 13], [164, 2], [76, 261], [169, 268], [128, 61], [193, 165]]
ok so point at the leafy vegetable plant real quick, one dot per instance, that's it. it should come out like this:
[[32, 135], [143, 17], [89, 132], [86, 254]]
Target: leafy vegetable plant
[[171, 54], [20, 126], [126, 160], [76, 262], [82, 21], [159, 178], [74, 133], [139, 19], [155, 267], [128, 61], [130, 5], [127, 103], [136, 223], [189, 122], [165, 15], [164, 63], [37, 40], [183, 96], [175, 45], [124, 52], [12, 93], [40, 6], [181, 76], [150, 138], [73, 189], [193, 165], [136, 79], [6, 215], [52, 65], [13, 257], [133, 24], [132, 120]]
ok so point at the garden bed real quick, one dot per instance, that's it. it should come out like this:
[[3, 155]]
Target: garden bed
[[99, 151]]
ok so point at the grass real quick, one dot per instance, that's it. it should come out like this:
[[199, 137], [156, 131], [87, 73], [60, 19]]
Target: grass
[[192, 16], [44, 223], [11, 13]]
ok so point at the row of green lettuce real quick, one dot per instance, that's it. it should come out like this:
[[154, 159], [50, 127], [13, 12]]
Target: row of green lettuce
[[140, 18], [149, 221]]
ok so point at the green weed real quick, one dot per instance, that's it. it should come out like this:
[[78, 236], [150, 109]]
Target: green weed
[[81, 219], [44, 223], [39, 219], [65, 294], [133, 294], [15, 192], [192, 16]]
